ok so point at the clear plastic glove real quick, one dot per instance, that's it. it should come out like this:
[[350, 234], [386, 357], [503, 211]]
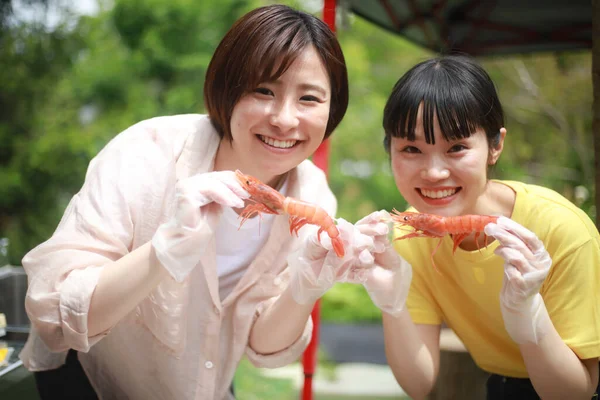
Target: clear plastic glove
[[526, 265], [315, 267], [377, 225], [388, 281], [180, 242]]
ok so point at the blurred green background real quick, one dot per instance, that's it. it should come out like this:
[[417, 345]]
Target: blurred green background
[[69, 85]]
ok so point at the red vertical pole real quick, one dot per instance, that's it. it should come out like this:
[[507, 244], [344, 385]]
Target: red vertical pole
[[321, 160]]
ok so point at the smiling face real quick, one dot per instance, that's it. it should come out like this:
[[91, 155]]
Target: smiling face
[[448, 178], [279, 124]]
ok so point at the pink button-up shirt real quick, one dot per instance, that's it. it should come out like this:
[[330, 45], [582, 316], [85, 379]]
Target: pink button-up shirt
[[182, 341]]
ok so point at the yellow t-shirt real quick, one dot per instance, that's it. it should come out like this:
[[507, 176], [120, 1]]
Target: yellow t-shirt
[[465, 293]]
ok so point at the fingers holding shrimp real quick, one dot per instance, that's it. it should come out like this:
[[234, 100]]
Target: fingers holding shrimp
[[528, 238], [518, 258], [384, 273], [376, 220], [315, 267], [526, 265], [352, 238], [387, 281], [376, 226], [180, 242], [519, 246], [221, 187]]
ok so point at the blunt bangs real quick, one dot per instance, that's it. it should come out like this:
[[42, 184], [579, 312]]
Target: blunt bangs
[[455, 90]]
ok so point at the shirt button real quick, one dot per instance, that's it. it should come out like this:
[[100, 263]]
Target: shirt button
[[208, 364], [277, 281]]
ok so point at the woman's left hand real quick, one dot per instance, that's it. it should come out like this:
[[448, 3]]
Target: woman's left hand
[[387, 280], [315, 267], [526, 265]]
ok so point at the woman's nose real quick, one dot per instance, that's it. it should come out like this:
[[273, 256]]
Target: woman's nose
[[284, 116], [435, 171]]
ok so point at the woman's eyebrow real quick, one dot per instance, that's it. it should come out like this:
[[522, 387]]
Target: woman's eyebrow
[[306, 86], [316, 88]]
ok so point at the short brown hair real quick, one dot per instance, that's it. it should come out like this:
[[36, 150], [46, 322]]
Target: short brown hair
[[263, 39]]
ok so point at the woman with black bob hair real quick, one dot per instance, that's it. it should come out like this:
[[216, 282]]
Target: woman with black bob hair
[[527, 305], [149, 289]]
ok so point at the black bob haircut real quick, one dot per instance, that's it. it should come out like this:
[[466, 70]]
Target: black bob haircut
[[455, 88]]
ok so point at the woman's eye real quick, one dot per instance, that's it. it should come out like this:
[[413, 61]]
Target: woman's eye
[[309, 98], [410, 150], [456, 148], [262, 90]]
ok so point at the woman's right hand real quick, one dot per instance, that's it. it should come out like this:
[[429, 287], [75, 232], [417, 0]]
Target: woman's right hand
[[192, 193], [526, 265], [315, 267], [388, 281], [179, 243]]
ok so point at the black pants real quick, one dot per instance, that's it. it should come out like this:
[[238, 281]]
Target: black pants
[[503, 388], [69, 382]]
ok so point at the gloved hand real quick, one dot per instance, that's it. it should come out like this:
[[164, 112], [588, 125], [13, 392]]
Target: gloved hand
[[180, 242], [388, 280], [378, 225], [526, 265], [315, 267]]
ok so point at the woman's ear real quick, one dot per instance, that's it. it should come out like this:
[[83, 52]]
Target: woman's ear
[[498, 147]]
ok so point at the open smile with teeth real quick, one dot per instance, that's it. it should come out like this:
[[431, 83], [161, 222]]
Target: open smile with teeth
[[280, 144], [438, 194]]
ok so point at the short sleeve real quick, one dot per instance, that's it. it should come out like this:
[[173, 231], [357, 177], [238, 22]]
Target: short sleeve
[[420, 302], [571, 294]]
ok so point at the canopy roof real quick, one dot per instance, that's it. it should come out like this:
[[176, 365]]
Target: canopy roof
[[484, 27]]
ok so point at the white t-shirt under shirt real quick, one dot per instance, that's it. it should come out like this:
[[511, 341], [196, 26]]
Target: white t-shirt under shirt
[[237, 247]]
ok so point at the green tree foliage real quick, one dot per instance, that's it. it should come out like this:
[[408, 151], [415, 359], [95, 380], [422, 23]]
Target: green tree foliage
[[547, 100], [66, 90], [31, 174]]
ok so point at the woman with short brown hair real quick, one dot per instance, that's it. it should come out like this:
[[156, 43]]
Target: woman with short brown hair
[[148, 281]]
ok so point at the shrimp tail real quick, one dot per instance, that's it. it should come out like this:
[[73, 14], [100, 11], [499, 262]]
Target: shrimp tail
[[338, 246], [336, 243]]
